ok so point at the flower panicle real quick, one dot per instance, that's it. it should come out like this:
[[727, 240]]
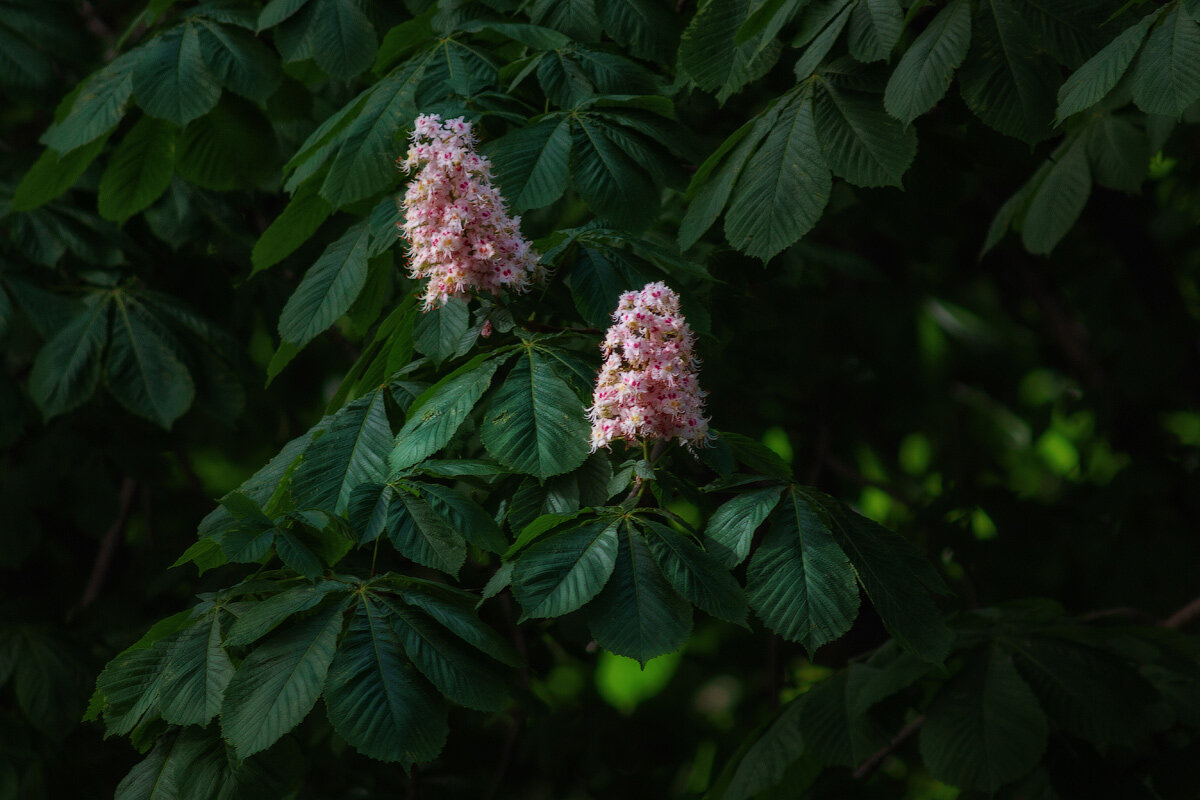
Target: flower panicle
[[647, 388], [459, 232]]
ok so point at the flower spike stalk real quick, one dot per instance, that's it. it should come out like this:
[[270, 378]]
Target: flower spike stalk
[[647, 388], [459, 232]]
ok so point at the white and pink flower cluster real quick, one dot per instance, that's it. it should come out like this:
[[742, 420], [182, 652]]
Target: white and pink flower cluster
[[459, 233], [647, 388]]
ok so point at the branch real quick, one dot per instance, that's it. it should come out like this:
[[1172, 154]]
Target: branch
[[873, 761], [1183, 616], [108, 545]]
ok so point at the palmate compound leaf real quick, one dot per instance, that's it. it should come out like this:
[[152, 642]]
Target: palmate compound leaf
[[895, 576], [695, 574], [561, 572], [1006, 81], [1098, 76], [861, 142], [171, 79], [352, 452], [731, 528], [800, 582], [279, 682], [440, 410], [985, 728], [376, 700], [536, 422], [784, 187], [1166, 78], [926, 69], [638, 614]]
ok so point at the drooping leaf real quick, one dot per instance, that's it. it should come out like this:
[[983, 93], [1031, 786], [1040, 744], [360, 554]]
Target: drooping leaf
[[139, 170], [152, 778], [576, 18], [455, 611], [536, 422], [53, 174], [560, 573], [638, 614], [861, 142], [343, 38], [985, 728], [531, 162], [1005, 81], [144, 371], [266, 615], [712, 55], [171, 79], [469, 518], [421, 533], [1058, 200], [1119, 152], [1090, 83], [352, 452], [695, 574], [240, 62], [376, 700], [129, 686], [440, 410], [438, 332], [279, 682], [67, 368], [784, 187], [874, 29], [1166, 78], [646, 27], [328, 288], [800, 581], [195, 673], [924, 72], [98, 107], [608, 179], [292, 228]]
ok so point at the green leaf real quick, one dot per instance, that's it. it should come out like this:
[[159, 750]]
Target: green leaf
[[536, 423], [833, 732], [862, 143], [924, 72], [576, 18], [129, 686], [531, 162], [353, 451], [296, 554], [985, 727], [731, 528], [455, 611], [638, 614], [895, 576], [292, 228], [279, 682], [419, 532], [49, 683], [152, 778], [369, 141], [52, 174], [376, 700], [439, 331], [329, 287], [875, 27], [1058, 200], [276, 11], [597, 279], [713, 56], [767, 761], [608, 179], [695, 574], [234, 147], [815, 54], [171, 80], [266, 615], [196, 671], [402, 39], [1090, 83], [1119, 152], [1166, 78], [67, 368], [467, 517], [458, 672], [1006, 81], [343, 38], [240, 62], [645, 27], [784, 187], [560, 573], [144, 372], [139, 170], [800, 582], [98, 107], [440, 410]]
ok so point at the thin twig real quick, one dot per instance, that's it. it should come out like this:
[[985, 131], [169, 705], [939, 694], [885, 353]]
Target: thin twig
[[873, 761], [1183, 616], [108, 545]]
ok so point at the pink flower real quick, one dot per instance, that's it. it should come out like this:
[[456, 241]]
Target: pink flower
[[459, 232], [647, 388]]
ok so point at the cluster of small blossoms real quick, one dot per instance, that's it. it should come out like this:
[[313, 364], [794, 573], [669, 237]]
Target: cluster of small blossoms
[[459, 233], [647, 388]]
